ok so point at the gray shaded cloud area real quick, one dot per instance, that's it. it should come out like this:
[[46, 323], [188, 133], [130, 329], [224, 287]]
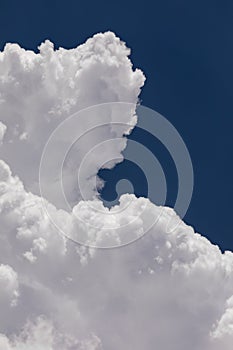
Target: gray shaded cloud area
[[172, 289]]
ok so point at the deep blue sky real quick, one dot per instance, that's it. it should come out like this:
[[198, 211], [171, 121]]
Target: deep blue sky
[[185, 49]]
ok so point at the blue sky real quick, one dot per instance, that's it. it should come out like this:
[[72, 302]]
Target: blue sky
[[185, 50]]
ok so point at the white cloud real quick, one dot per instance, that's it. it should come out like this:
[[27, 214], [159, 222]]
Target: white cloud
[[38, 91], [174, 283], [224, 327], [42, 335], [171, 289], [8, 286], [2, 131]]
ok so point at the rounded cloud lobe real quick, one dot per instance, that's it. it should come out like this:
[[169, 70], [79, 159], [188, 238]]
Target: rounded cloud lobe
[[39, 91], [171, 289]]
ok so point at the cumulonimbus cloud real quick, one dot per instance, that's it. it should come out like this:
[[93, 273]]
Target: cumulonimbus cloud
[[171, 289]]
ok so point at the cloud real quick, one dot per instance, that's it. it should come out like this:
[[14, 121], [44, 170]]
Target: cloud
[[42, 335], [8, 286], [168, 282], [2, 131], [39, 91], [170, 289]]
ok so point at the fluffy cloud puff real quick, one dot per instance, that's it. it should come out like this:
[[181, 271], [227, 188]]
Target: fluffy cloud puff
[[170, 282], [2, 131], [8, 285], [170, 289], [42, 335], [39, 91]]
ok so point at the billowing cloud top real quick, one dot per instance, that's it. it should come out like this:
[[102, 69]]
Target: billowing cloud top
[[38, 91], [171, 289]]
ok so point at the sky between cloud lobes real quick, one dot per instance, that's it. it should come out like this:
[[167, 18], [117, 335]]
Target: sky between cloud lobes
[[168, 290]]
